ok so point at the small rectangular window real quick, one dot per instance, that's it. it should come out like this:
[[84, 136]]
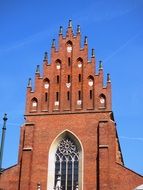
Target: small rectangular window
[[69, 61], [79, 77], [57, 96], [68, 95], [91, 94], [58, 79], [46, 97], [69, 78], [79, 95]]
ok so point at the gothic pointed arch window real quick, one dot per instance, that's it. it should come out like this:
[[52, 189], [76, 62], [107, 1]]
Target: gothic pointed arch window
[[102, 99], [79, 62], [46, 94], [91, 81], [69, 47], [46, 83], [67, 166], [90, 92], [58, 64], [34, 104]]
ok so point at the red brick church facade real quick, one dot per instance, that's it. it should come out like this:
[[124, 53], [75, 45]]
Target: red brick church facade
[[69, 139]]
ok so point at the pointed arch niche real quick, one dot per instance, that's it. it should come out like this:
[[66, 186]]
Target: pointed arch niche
[[46, 94], [34, 104], [65, 158]]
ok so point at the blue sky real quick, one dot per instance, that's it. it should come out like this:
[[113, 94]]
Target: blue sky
[[114, 28]]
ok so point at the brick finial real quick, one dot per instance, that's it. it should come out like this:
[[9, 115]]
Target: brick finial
[[29, 83], [92, 53], [37, 69], [53, 43], [108, 78], [2, 140], [5, 117], [78, 29], [100, 65], [85, 40], [45, 56], [70, 24], [61, 30]]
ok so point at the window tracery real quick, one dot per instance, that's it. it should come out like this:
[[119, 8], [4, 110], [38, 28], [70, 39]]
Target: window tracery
[[66, 165]]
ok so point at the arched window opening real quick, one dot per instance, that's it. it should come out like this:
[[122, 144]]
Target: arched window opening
[[69, 46], [90, 81], [34, 104], [46, 83], [102, 99], [58, 64], [79, 62], [66, 165]]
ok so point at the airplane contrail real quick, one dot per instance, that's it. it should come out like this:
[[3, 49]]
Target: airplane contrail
[[122, 46], [132, 138], [11, 124]]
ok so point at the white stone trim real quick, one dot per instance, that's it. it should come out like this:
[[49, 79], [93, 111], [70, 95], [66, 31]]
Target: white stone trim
[[27, 148], [139, 187]]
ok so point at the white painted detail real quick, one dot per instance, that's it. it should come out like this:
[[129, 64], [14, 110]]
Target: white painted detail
[[56, 103], [79, 64], [102, 100], [58, 183], [139, 187], [68, 85], [69, 49], [38, 186], [58, 66], [90, 82], [46, 85], [27, 148], [34, 104], [76, 188], [79, 102]]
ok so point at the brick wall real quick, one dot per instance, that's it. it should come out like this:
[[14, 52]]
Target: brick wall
[[70, 98]]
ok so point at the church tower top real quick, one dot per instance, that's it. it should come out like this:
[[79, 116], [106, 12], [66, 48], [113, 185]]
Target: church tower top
[[70, 82]]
